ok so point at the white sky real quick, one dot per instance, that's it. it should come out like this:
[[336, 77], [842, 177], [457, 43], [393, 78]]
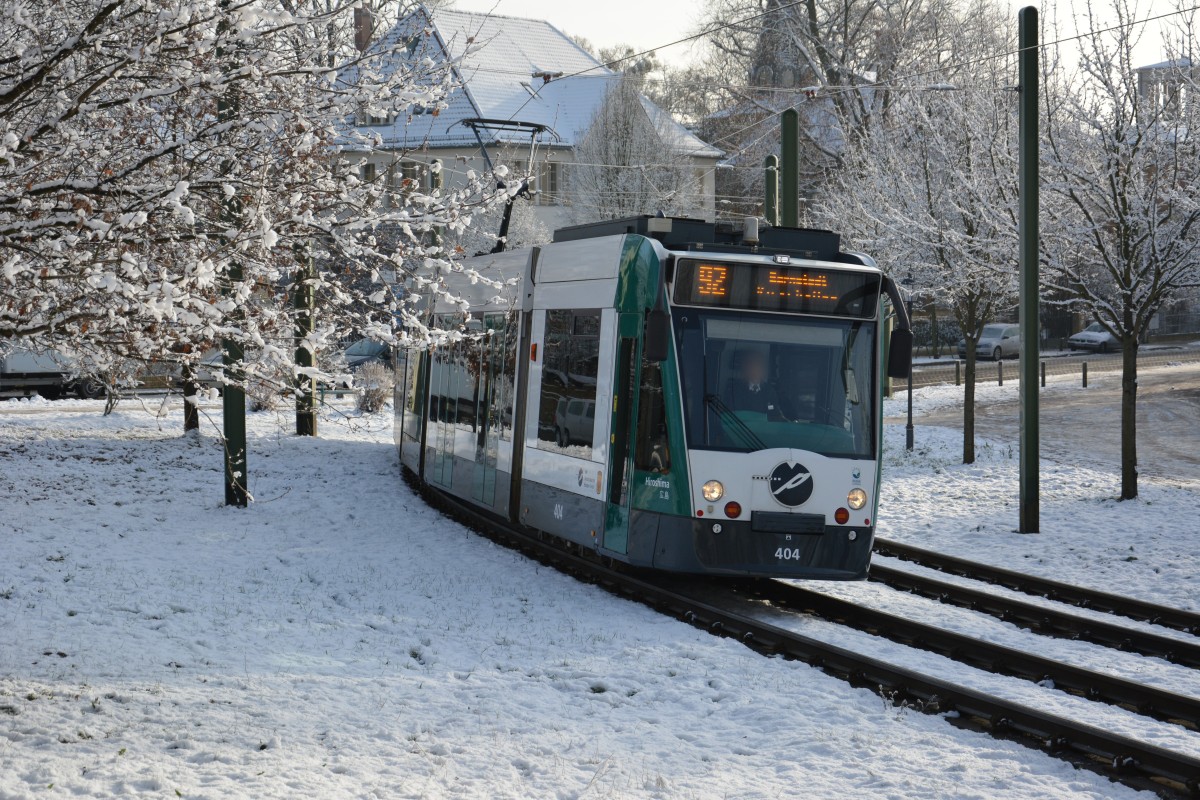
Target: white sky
[[647, 24]]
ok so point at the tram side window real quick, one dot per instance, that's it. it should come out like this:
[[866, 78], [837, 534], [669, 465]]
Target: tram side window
[[570, 365], [413, 401], [652, 453], [508, 374], [468, 354]]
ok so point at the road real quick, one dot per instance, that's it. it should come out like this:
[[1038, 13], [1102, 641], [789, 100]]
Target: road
[[1083, 425], [1057, 363]]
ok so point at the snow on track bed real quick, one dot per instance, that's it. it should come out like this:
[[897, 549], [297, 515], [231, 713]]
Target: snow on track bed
[[1004, 593], [1044, 698], [1131, 666], [1119, 605], [717, 606], [170, 497], [340, 639], [1144, 548]]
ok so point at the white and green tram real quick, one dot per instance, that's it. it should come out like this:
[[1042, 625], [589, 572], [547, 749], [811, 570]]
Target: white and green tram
[[672, 393]]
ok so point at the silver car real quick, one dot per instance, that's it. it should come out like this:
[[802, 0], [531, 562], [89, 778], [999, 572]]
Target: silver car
[[1094, 337], [998, 340]]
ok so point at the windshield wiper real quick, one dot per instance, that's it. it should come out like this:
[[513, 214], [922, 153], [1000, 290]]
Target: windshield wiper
[[735, 423]]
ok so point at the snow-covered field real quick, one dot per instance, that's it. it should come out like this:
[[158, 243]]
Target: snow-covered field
[[340, 639], [1148, 548]]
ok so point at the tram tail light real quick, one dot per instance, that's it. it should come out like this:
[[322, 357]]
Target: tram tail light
[[733, 509], [841, 516]]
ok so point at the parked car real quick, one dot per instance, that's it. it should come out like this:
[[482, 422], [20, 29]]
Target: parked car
[[1094, 337], [574, 421], [48, 373], [999, 340], [365, 351]]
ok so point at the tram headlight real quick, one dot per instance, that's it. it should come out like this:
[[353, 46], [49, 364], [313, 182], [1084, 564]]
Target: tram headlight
[[712, 491], [856, 498]]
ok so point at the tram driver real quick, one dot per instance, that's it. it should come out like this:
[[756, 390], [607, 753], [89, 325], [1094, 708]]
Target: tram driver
[[752, 389]]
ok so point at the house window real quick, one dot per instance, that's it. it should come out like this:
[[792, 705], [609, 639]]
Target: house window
[[549, 183], [366, 118], [545, 180], [404, 178], [369, 172], [516, 170]]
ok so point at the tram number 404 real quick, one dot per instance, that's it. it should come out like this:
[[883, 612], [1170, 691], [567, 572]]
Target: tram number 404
[[788, 554]]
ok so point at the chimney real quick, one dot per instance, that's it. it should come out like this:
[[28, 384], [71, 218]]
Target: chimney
[[362, 28]]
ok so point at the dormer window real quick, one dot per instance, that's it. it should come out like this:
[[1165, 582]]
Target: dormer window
[[368, 118]]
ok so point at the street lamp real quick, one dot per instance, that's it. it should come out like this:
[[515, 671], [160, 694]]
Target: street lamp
[[908, 282]]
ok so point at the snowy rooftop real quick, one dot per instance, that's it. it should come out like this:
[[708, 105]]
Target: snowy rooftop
[[500, 61], [1175, 63]]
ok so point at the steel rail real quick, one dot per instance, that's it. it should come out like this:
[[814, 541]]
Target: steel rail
[[1102, 687], [1129, 761], [1040, 619], [1176, 618]]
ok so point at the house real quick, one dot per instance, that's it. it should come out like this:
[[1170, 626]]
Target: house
[[1169, 88], [511, 70], [780, 76]]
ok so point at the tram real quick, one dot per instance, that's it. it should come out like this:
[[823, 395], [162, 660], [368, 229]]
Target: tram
[[671, 393]]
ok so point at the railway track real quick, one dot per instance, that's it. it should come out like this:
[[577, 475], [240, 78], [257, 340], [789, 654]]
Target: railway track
[[999, 659], [1041, 619], [1177, 619], [1129, 761]]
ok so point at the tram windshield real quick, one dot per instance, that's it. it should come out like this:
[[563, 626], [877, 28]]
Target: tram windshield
[[759, 381]]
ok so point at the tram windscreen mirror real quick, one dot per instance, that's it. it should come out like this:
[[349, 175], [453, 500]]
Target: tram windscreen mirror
[[777, 287]]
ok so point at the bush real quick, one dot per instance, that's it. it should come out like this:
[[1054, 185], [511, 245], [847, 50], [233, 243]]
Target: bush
[[948, 332], [375, 383], [263, 395]]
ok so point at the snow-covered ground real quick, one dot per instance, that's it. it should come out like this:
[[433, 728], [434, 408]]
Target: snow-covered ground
[[1148, 547], [340, 639]]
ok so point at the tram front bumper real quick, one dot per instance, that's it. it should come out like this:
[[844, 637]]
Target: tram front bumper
[[733, 547]]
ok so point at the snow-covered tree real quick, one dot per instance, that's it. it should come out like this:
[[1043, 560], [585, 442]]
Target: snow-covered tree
[[628, 161], [847, 52], [931, 191], [169, 171], [178, 174], [1123, 175], [837, 63]]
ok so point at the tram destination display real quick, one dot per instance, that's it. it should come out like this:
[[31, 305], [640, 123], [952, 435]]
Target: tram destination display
[[776, 287]]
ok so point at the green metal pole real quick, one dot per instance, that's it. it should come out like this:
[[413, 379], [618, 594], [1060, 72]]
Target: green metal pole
[[303, 301], [789, 180], [771, 183], [234, 406], [1027, 42]]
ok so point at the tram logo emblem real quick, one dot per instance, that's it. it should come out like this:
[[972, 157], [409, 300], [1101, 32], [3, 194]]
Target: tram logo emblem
[[791, 484]]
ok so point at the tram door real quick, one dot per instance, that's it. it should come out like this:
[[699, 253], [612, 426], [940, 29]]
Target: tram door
[[620, 459]]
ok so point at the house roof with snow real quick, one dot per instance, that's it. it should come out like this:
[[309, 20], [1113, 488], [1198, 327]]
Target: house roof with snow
[[511, 68], [1173, 64]]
